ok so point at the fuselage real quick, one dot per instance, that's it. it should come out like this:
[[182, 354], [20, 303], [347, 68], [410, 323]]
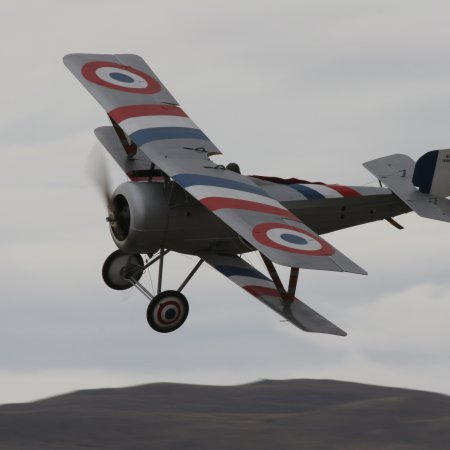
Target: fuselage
[[162, 214]]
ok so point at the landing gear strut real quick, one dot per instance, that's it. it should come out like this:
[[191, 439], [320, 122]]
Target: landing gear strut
[[167, 310]]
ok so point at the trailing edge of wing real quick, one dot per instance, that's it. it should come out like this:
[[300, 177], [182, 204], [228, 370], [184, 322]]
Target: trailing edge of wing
[[262, 288]]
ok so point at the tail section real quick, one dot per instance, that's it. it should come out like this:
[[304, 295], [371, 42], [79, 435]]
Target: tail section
[[423, 186], [432, 173]]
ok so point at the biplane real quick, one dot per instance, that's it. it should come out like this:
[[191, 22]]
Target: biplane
[[178, 199]]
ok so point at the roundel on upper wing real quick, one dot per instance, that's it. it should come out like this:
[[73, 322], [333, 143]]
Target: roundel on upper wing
[[122, 78], [291, 239]]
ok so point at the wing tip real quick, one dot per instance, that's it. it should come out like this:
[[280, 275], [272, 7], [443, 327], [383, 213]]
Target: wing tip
[[330, 329], [341, 333], [359, 271], [67, 58]]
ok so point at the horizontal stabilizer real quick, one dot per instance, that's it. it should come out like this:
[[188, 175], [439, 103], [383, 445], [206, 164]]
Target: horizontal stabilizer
[[396, 172]]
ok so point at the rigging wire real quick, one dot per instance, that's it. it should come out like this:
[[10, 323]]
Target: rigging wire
[[150, 274]]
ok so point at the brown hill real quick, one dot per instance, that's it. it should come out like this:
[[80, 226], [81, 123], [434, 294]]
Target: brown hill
[[294, 414]]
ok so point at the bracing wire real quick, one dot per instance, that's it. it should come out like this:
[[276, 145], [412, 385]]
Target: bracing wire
[[150, 275]]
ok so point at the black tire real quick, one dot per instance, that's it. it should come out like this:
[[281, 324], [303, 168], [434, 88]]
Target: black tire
[[167, 311], [117, 265]]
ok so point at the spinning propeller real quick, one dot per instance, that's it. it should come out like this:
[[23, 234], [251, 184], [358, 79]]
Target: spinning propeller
[[117, 207]]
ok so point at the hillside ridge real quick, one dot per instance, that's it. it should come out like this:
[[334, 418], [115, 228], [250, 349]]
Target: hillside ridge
[[319, 414]]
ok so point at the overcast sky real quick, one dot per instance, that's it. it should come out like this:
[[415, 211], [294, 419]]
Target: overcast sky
[[310, 89]]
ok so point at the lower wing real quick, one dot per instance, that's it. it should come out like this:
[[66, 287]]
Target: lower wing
[[264, 289]]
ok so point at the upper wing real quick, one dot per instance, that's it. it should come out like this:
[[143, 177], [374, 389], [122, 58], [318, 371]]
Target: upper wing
[[135, 168], [133, 96], [141, 107], [264, 289]]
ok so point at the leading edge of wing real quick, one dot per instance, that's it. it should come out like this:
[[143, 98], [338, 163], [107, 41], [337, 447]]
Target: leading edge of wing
[[262, 288]]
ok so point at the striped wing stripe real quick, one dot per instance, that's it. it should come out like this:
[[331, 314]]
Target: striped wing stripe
[[230, 271], [149, 123], [201, 192], [126, 112], [147, 135], [216, 203], [345, 191], [321, 191], [252, 281], [191, 179], [218, 193], [309, 193], [262, 291], [326, 191], [146, 122]]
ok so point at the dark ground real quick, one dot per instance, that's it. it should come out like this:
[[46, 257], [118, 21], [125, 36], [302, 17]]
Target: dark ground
[[294, 414]]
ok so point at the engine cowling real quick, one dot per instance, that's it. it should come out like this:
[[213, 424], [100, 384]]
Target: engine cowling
[[138, 216], [142, 221]]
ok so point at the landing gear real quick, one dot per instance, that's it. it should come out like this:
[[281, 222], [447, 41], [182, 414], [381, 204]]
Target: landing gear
[[118, 268], [167, 310]]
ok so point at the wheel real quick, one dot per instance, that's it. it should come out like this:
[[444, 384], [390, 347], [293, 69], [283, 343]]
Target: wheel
[[167, 311], [117, 266]]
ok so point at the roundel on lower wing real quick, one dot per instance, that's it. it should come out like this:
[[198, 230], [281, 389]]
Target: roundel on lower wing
[[119, 77], [291, 239]]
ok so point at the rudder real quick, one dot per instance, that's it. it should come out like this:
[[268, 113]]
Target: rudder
[[432, 173]]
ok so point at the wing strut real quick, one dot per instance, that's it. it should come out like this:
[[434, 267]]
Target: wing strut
[[289, 296], [293, 278], [191, 274]]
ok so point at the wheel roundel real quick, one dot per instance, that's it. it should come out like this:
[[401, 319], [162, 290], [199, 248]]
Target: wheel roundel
[[167, 311]]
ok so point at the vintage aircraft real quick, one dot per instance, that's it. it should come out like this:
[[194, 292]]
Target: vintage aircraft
[[179, 200]]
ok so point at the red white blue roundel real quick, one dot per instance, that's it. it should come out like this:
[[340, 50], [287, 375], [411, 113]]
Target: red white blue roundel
[[122, 78], [168, 312], [291, 239]]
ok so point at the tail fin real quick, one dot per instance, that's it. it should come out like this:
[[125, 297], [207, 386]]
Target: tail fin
[[431, 175]]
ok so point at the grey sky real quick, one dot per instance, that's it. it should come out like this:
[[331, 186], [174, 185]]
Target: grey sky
[[310, 89]]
